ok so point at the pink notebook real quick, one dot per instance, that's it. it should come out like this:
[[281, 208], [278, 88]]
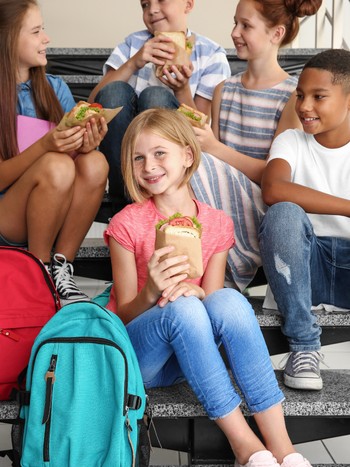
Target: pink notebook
[[30, 129]]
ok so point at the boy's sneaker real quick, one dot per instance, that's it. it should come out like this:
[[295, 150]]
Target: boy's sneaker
[[260, 459], [62, 275], [295, 460], [302, 370]]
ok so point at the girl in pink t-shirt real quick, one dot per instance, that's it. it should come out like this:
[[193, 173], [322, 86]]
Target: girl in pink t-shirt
[[176, 324]]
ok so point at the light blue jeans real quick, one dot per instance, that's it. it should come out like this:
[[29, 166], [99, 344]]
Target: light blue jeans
[[302, 270], [116, 94], [180, 341]]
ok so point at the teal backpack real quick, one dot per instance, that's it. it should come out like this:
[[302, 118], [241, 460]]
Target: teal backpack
[[86, 396]]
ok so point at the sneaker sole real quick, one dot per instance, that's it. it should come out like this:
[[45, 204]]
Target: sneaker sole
[[310, 384]]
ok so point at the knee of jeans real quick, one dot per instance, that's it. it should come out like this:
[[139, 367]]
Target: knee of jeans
[[229, 306], [282, 217], [188, 310], [156, 96], [115, 94]]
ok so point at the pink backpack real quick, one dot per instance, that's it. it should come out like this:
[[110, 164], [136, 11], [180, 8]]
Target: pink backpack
[[28, 299]]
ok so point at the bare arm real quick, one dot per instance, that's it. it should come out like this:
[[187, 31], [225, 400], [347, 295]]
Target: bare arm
[[209, 139], [214, 275], [161, 274], [278, 187]]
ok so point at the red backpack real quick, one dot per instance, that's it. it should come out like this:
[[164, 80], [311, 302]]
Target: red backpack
[[28, 299]]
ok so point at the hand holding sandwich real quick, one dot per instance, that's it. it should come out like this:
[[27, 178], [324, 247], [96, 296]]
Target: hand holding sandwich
[[76, 139], [166, 278]]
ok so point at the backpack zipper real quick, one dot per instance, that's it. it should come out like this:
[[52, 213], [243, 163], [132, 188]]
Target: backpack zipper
[[10, 334], [50, 379]]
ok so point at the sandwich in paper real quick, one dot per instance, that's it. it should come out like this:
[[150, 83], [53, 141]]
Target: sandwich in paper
[[196, 118], [84, 112], [183, 49], [184, 233]]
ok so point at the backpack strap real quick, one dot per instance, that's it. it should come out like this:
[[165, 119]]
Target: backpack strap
[[134, 402]]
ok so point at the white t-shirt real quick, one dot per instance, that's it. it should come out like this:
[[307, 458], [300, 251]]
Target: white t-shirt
[[320, 168]]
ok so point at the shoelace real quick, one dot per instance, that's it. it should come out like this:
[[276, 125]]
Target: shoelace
[[63, 276], [303, 361]]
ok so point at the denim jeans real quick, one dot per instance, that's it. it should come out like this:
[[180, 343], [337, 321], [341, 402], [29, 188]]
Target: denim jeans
[[302, 270], [180, 341], [116, 94]]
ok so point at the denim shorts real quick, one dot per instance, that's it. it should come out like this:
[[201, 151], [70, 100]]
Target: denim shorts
[[4, 242]]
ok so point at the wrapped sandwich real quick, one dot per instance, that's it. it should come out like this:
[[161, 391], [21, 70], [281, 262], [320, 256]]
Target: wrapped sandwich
[[84, 112], [183, 49], [184, 233], [196, 118]]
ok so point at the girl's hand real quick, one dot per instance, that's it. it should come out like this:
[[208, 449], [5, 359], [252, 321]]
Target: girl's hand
[[177, 80], [93, 135], [185, 289], [206, 138], [165, 273], [156, 51], [63, 140]]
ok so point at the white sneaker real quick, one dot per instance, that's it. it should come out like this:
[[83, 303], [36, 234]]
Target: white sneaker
[[295, 460], [260, 459], [62, 275]]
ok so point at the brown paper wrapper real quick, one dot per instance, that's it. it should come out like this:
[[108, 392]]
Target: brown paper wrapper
[[68, 121], [189, 246], [181, 57]]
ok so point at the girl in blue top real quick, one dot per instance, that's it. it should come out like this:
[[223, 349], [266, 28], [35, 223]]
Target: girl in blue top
[[51, 191]]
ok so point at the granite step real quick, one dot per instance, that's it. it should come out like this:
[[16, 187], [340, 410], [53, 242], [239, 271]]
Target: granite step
[[333, 400]]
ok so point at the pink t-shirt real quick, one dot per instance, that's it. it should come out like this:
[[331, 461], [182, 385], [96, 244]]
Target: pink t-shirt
[[134, 229]]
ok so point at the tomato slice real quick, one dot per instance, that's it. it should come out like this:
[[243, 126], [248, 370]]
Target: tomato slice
[[182, 221], [96, 104]]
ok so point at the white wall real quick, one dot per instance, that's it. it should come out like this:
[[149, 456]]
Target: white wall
[[104, 23]]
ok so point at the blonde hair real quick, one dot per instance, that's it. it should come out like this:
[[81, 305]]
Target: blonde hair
[[167, 123]]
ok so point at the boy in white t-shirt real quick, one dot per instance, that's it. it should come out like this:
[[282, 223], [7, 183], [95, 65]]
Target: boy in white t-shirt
[[305, 234]]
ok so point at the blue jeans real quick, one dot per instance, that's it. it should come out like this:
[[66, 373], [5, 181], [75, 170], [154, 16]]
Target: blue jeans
[[180, 341], [116, 94], [302, 270]]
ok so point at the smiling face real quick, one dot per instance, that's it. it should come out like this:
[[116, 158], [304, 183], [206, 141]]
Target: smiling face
[[323, 108], [32, 43], [250, 35], [159, 165], [166, 15]]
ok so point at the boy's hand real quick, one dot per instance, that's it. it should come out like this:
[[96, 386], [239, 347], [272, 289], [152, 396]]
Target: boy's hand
[[185, 289], [156, 51], [93, 135], [165, 273], [175, 79]]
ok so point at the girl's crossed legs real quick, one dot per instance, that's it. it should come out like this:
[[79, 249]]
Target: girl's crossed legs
[[180, 341]]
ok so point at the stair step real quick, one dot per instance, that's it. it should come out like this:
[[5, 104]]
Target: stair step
[[333, 401]]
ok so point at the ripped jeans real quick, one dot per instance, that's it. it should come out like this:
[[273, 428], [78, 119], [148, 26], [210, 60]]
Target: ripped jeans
[[302, 270]]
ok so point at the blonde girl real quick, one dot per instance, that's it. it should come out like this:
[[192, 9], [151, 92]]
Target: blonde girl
[[176, 324]]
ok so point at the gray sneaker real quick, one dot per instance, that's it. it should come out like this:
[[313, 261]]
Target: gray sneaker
[[302, 370], [62, 275]]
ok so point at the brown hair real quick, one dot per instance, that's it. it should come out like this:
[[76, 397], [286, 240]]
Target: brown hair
[[46, 104], [167, 123], [287, 13]]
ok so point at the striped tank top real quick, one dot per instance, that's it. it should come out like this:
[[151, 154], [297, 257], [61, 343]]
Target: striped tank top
[[249, 117]]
